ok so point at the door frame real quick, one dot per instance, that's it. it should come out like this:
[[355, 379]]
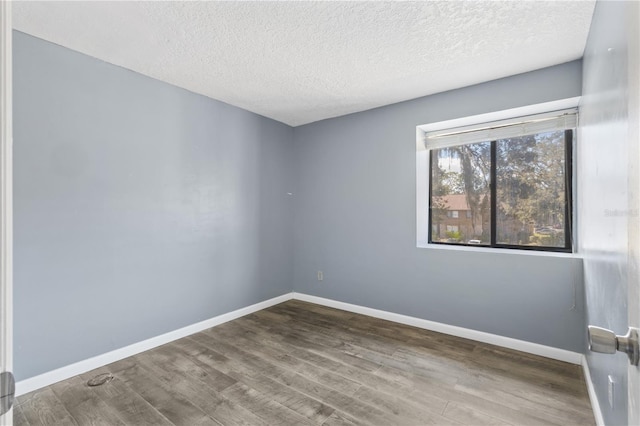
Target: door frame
[[6, 196], [633, 135]]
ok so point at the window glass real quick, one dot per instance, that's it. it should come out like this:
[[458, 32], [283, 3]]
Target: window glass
[[530, 188], [460, 181], [532, 208]]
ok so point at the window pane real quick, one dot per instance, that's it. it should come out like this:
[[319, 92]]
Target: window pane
[[460, 194], [530, 190]]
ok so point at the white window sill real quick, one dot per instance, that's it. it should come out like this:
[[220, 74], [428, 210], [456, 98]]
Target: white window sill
[[499, 250]]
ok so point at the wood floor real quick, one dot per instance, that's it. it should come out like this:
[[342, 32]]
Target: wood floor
[[302, 364]]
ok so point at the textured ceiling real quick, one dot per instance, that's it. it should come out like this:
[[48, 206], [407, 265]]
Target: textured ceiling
[[299, 62]]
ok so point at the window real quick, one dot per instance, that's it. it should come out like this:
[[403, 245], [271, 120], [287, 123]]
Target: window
[[513, 178]]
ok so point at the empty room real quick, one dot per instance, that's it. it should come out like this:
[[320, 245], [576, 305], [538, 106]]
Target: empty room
[[319, 213]]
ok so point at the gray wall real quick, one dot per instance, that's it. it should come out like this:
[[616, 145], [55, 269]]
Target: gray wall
[[604, 193], [140, 207], [355, 207]]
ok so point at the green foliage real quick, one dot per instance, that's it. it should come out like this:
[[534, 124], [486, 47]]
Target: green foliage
[[531, 178], [551, 240], [468, 174], [452, 183], [456, 235], [530, 185]]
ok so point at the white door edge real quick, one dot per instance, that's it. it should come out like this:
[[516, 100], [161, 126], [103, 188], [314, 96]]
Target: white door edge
[[633, 372], [6, 197]]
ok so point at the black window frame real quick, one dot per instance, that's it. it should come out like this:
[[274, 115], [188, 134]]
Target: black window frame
[[568, 247]]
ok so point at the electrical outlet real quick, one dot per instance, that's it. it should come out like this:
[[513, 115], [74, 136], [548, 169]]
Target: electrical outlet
[[320, 276], [611, 385]]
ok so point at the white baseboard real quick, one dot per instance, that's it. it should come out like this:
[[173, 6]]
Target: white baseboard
[[480, 336], [595, 404], [63, 373]]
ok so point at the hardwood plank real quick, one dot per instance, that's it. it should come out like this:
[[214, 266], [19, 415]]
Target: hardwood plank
[[18, 416], [271, 317], [259, 342], [347, 371], [299, 403], [458, 395], [356, 376], [264, 406], [131, 407], [559, 367], [339, 419], [528, 368], [370, 336], [173, 362], [159, 389], [326, 370], [430, 402], [303, 342], [403, 411], [423, 367], [469, 416], [550, 414], [300, 363], [298, 360], [312, 409], [83, 404], [254, 365], [318, 359], [336, 315], [378, 348], [226, 411], [203, 394], [43, 408], [539, 393], [387, 331]]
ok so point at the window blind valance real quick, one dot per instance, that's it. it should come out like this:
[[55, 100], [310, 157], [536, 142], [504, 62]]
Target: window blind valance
[[502, 129]]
